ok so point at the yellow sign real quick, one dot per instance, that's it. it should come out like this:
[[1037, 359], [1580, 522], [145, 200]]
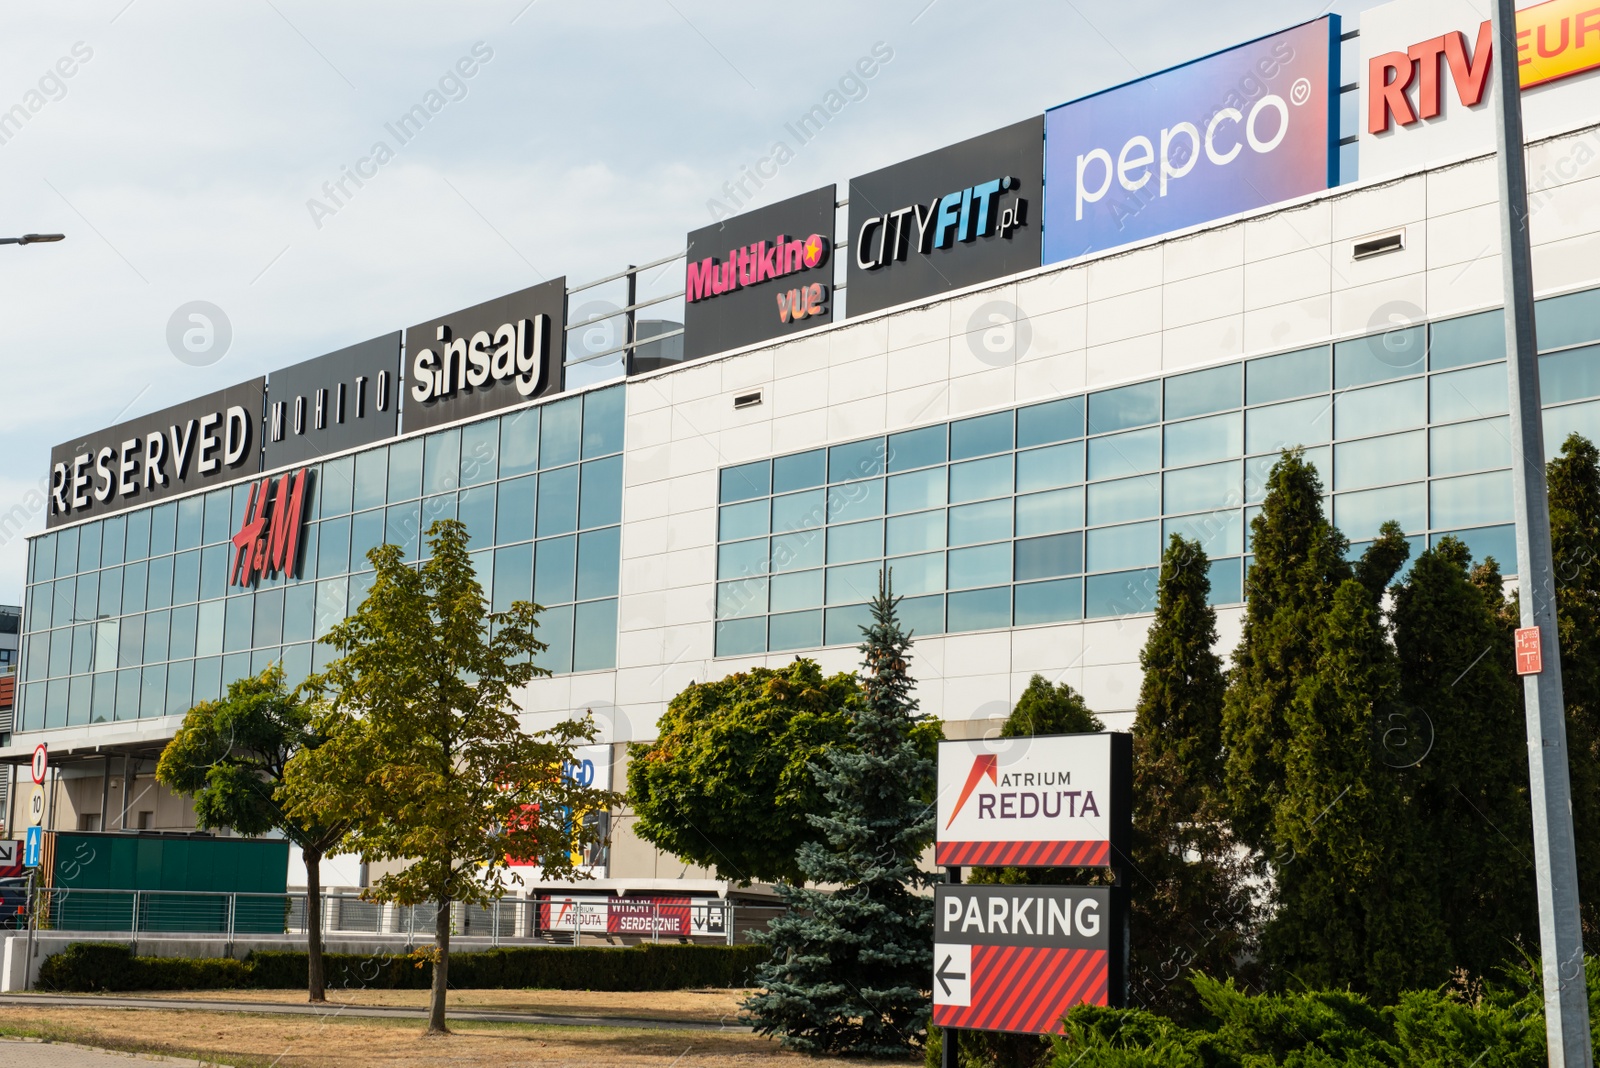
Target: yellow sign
[[1557, 39]]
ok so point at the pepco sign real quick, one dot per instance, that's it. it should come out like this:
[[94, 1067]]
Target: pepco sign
[[1251, 126]]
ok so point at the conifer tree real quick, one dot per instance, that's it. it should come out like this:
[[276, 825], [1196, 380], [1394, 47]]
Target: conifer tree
[[1458, 748], [1299, 562], [1192, 907], [1353, 905], [850, 968], [1573, 481]]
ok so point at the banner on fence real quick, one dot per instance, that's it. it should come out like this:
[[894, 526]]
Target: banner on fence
[[676, 917]]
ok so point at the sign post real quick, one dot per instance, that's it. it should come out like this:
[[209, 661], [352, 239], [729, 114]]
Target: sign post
[[1018, 958], [1566, 997]]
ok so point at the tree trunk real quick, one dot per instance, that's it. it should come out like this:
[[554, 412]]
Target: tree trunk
[[441, 969], [315, 982]]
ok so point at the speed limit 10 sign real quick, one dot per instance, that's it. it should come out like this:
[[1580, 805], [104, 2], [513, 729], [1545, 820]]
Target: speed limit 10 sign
[[41, 762], [36, 806]]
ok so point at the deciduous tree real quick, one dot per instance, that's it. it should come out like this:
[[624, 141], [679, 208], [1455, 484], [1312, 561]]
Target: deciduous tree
[[230, 756], [424, 755], [728, 783]]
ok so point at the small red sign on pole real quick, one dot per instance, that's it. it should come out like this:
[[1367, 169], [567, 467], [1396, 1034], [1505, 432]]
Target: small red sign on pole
[[1530, 660]]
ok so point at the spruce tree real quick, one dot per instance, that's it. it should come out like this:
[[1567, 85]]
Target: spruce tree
[[1458, 747], [1192, 906], [850, 968], [1573, 482], [1354, 907]]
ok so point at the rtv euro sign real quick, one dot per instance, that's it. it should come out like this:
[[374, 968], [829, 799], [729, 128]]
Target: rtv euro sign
[[1241, 129], [1045, 801]]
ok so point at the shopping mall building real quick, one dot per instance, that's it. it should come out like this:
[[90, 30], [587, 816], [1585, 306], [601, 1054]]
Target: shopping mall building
[[1005, 370]]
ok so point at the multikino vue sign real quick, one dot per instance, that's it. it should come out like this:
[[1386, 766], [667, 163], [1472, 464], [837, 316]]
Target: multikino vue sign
[[1237, 130], [1059, 800]]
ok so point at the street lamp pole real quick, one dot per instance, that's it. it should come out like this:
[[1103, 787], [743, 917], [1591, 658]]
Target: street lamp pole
[[1550, 791]]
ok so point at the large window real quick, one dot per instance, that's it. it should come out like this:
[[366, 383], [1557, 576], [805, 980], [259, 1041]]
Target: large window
[[133, 616], [1060, 511]]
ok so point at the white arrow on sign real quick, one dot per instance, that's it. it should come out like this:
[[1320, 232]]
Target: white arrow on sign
[[952, 974]]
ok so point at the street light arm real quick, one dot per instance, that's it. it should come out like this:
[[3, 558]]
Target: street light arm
[[31, 239]]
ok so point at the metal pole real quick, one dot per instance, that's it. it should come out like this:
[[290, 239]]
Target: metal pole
[[1555, 856]]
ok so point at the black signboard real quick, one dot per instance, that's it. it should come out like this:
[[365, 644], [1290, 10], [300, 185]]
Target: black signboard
[[200, 443], [332, 403], [1017, 958], [500, 353], [952, 218], [760, 275]]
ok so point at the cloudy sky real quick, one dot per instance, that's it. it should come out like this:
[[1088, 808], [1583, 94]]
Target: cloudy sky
[[184, 152]]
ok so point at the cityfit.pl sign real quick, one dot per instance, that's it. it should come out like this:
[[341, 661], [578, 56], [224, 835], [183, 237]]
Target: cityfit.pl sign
[[1426, 85], [1045, 801], [332, 403], [200, 443], [760, 275], [1251, 126], [952, 218], [500, 353], [1017, 958]]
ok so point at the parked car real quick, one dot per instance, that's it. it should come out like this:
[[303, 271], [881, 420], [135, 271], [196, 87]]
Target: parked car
[[13, 903]]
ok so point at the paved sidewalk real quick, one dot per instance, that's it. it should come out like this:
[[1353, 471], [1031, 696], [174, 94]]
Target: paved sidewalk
[[382, 1011], [60, 1055]]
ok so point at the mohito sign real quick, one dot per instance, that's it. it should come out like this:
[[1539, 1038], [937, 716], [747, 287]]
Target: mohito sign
[[1044, 801], [268, 541], [1426, 85], [1238, 130], [760, 275], [200, 443], [1017, 958]]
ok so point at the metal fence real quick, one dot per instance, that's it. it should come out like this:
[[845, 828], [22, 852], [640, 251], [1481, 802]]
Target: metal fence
[[146, 914]]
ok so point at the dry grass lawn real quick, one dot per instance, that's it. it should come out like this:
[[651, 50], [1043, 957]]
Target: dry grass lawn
[[698, 1006], [257, 1041]]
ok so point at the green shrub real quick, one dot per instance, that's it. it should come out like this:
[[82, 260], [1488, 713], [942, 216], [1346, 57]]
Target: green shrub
[[1497, 1025], [104, 966], [98, 967]]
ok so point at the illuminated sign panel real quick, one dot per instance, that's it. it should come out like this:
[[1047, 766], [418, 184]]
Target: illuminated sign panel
[[332, 403], [952, 218], [195, 445], [494, 355], [760, 275], [1241, 129]]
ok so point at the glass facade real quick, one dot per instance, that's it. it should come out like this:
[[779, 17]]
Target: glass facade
[[132, 616], [1059, 511]]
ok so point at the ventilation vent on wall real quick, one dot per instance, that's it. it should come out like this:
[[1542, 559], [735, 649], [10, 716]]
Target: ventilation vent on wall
[[1367, 247], [746, 400]]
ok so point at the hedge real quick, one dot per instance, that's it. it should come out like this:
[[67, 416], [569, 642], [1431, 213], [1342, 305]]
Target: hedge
[[108, 966]]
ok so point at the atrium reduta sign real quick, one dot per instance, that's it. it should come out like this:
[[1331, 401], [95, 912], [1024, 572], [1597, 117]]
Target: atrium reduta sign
[[1044, 801], [760, 275], [268, 541]]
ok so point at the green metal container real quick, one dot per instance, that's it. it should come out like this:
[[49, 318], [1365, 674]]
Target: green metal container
[[184, 882]]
